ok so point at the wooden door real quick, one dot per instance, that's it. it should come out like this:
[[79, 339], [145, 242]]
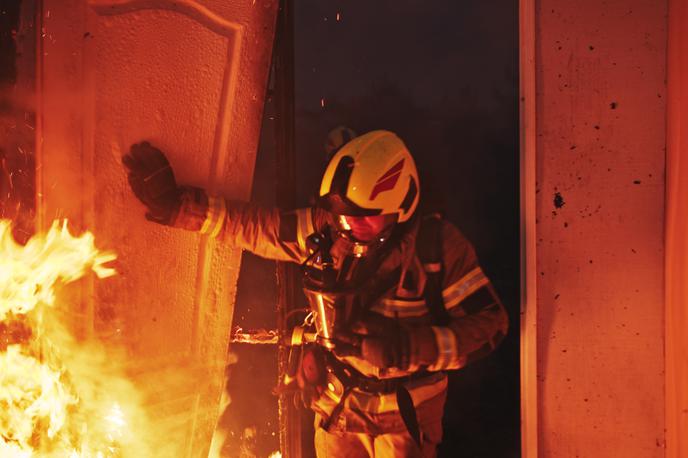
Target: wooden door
[[190, 77]]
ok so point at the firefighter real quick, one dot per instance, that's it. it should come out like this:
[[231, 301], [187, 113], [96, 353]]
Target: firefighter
[[398, 297]]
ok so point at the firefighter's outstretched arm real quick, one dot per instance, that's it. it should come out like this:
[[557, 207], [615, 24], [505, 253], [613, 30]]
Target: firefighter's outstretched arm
[[266, 232]]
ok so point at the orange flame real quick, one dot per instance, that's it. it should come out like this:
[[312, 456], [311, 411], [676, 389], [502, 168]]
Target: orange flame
[[58, 397], [28, 273]]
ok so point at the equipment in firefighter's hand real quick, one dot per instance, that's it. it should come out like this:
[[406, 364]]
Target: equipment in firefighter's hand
[[339, 322], [308, 371], [321, 288], [361, 340], [334, 292]]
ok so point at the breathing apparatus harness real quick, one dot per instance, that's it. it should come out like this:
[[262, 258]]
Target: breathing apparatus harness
[[340, 291]]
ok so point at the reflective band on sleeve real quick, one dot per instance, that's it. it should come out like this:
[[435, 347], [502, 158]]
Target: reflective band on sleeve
[[400, 308], [215, 216], [220, 220], [467, 285], [447, 351], [304, 226]]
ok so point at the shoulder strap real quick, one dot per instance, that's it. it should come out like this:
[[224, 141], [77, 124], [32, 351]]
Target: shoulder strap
[[429, 250]]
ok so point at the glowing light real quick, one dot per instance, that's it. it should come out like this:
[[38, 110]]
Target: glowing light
[[58, 397], [28, 273], [116, 422], [31, 394]]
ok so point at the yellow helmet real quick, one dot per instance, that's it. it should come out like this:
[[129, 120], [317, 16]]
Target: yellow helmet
[[373, 174]]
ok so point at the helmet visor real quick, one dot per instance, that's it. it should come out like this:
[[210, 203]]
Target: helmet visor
[[364, 228]]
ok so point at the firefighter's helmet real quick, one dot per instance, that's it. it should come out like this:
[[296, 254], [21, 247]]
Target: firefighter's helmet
[[373, 174]]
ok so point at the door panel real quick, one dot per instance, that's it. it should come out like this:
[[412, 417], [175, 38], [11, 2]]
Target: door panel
[[190, 78]]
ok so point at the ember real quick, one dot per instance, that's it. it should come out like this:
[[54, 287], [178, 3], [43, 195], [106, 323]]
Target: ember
[[58, 397]]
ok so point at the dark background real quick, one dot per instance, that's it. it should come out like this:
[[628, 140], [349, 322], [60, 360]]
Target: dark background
[[443, 76]]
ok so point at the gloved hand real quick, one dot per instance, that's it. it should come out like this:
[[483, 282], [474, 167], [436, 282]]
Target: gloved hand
[[306, 374], [152, 180], [388, 351], [385, 343], [382, 342]]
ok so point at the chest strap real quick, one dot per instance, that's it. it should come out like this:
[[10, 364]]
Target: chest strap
[[429, 250]]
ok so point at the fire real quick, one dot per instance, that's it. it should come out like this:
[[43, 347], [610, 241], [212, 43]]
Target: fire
[[28, 273], [31, 393], [59, 397]]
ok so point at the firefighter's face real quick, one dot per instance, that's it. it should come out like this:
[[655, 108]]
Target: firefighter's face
[[366, 228]]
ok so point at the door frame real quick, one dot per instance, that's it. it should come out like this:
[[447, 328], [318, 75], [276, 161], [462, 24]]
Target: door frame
[[528, 143], [676, 241]]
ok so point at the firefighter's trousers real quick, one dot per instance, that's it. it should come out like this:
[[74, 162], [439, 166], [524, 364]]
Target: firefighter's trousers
[[392, 438], [361, 445]]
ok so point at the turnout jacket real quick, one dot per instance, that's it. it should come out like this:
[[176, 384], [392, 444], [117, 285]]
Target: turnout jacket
[[477, 322]]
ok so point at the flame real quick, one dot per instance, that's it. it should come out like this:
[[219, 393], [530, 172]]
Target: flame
[[59, 397], [28, 273]]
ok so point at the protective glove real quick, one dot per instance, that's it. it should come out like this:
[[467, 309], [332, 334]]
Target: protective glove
[[385, 343], [380, 341], [391, 351], [152, 180], [312, 373], [306, 374]]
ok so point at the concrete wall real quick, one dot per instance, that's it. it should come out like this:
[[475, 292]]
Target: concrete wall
[[600, 114], [190, 77]]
